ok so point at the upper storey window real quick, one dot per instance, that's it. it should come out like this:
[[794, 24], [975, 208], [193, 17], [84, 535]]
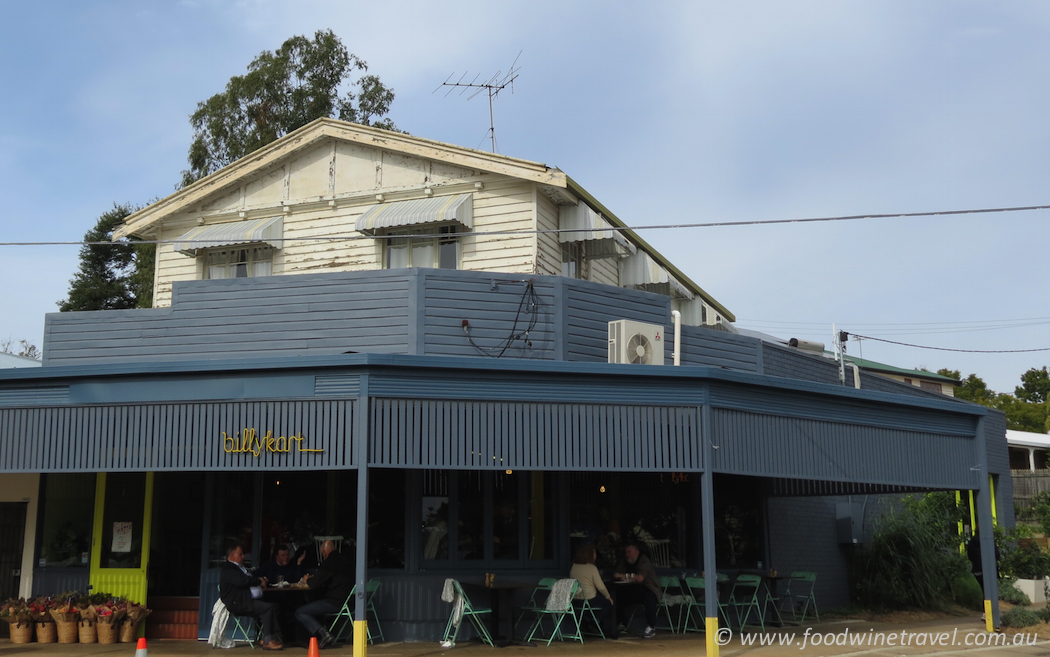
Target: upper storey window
[[241, 262], [435, 248], [235, 249], [424, 231]]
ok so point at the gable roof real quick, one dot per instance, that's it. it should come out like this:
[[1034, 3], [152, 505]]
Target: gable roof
[[873, 366], [325, 128], [14, 360]]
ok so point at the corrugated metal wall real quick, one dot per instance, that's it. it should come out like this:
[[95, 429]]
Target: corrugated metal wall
[[589, 307], [176, 437], [777, 446], [533, 436]]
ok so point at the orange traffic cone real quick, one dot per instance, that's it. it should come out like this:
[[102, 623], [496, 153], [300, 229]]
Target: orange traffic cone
[[140, 650], [313, 651]]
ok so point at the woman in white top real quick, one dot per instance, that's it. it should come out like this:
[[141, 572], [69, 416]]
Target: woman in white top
[[592, 588]]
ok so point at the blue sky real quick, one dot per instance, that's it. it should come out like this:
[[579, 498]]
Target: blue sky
[[678, 113]]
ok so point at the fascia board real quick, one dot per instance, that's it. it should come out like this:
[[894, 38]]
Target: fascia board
[[320, 130]]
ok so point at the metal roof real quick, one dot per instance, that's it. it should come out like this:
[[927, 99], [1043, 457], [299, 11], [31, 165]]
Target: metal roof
[[269, 230], [438, 210]]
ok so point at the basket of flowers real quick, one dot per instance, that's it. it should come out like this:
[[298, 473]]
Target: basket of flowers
[[66, 614], [108, 618], [133, 615], [88, 628], [40, 610], [16, 613]]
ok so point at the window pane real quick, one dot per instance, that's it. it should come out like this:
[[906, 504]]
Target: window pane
[[397, 254], [261, 268], [434, 542], [231, 518], [471, 518], [67, 515], [423, 253], [217, 272], [447, 255], [125, 506], [505, 527], [386, 505]]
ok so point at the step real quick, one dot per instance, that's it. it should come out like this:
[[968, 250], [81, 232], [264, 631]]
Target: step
[[171, 631]]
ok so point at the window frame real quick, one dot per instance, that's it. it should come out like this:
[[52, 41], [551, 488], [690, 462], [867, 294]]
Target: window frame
[[251, 259], [434, 236]]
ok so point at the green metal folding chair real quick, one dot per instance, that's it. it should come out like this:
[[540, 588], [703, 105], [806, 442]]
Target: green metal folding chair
[[670, 599], [799, 592], [346, 614], [251, 624], [558, 614], [587, 608], [534, 604], [698, 606], [470, 613], [744, 599]]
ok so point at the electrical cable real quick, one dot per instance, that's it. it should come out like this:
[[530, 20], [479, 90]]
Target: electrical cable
[[533, 300], [967, 351], [620, 229]]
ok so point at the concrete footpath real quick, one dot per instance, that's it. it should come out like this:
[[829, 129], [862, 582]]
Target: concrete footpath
[[954, 636]]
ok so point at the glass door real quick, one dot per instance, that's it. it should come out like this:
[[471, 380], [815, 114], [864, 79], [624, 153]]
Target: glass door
[[121, 536]]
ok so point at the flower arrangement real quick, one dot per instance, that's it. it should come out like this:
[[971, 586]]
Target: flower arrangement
[[64, 608], [112, 611], [15, 611]]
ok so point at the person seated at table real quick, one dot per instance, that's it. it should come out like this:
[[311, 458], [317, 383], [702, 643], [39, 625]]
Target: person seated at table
[[281, 568], [592, 589], [241, 592], [333, 582], [643, 587]]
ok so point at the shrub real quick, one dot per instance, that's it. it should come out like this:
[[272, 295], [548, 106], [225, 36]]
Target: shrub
[[1019, 617], [1024, 561], [967, 592], [1010, 593], [913, 557], [1044, 614]]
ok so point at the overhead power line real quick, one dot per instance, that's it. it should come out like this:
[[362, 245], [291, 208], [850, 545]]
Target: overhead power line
[[713, 224], [967, 351]]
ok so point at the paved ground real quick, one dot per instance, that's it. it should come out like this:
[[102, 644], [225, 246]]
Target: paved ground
[[950, 636]]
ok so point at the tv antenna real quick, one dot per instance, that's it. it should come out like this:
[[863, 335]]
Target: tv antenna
[[492, 85]]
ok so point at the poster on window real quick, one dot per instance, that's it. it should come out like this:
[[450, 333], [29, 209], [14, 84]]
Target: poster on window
[[122, 537]]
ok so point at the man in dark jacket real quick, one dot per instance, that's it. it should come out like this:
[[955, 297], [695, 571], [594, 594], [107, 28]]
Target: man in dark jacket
[[644, 587], [241, 592], [333, 581]]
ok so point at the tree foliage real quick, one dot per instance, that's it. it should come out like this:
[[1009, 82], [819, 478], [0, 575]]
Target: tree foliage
[[1028, 409], [106, 278], [303, 80]]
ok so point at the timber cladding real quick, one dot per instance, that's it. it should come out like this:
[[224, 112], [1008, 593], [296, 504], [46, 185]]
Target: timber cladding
[[271, 435]]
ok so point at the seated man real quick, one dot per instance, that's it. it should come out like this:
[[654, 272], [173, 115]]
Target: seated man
[[637, 568], [241, 592], [281, 567], [333, 581]]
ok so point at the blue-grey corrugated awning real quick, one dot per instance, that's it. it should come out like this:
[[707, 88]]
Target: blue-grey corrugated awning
[[457, 209], [269, 230]]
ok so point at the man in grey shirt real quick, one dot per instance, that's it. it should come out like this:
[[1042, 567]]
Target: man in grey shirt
[[643, 587]]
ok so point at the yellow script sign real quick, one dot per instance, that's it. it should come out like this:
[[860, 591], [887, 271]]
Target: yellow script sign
[[249, 442]]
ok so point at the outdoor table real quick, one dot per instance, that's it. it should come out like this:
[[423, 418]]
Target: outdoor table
[[497, 591], [287, 604]]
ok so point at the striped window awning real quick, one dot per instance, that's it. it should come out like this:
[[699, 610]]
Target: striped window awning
[[269, 231], [602, 240], [439, 210], [641, 271]]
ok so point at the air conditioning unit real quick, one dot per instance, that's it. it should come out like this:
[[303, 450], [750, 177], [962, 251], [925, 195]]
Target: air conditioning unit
[[636, 342]]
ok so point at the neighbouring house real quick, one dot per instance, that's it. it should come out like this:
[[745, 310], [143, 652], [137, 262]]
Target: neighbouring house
[[457, 363], [14, 360]]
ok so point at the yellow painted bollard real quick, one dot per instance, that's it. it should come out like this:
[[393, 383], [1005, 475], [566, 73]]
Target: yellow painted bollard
[[712, 636], [360, 638], [988, 622]]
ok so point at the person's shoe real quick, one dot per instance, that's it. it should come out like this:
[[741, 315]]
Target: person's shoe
[[649, 633], [621, 629], [324, 639], [272, 644]]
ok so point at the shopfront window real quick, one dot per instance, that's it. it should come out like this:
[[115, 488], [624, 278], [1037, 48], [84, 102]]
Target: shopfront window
[[232, 517], [611, 510], [504, 516], [386, 529], [67, 511], [299, 506], [738, 521]]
